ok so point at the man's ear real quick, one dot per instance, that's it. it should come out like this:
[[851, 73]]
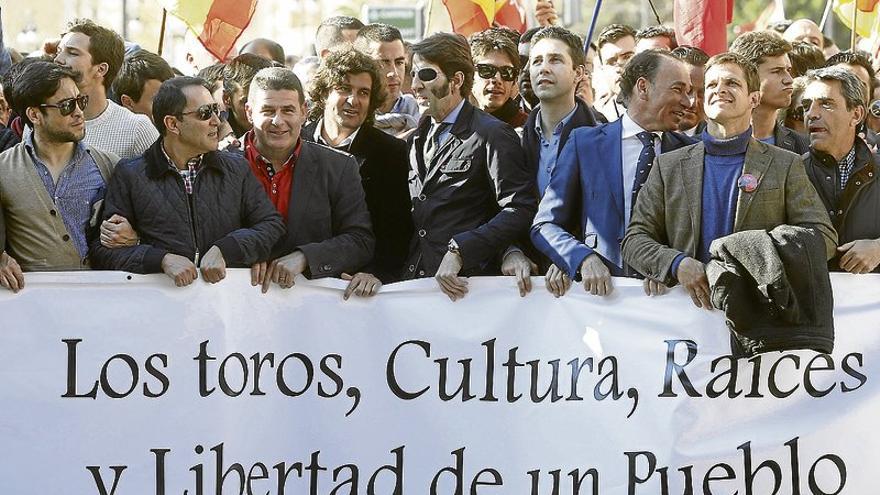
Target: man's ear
[[33, 114], [641, 88], [127, 102], [457, 81], [754, 99], [171, 124], [247, 112], [859, 115], [102, 69]]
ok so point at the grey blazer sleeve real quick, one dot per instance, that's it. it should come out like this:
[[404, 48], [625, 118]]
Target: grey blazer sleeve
[[352, 244]]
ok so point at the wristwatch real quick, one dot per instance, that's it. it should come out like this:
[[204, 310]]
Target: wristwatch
[[453, 248]]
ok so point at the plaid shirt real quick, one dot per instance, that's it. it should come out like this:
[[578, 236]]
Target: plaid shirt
[[845, 166], [189, 173]]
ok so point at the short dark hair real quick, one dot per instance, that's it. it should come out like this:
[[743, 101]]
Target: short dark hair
[[331, 74], [646, 65], [508, 33], [657, 31], [8, 79], [749, 68], [377, 33], [572, 41], [213, 74], [105, 46], [170, 99], [452, 53], [805, 56], [276, 51], [758, 45], [691, 55], [850, 57], [136, 70], [240, 70], [35, 84], [329, 32], [278, 79], [780, 26], [491, 40], [529, 34], [614, 32]]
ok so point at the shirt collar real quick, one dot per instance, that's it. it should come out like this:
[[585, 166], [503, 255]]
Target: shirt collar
[[345, 144], [562, 123], [631, 128], [453, 115], [192, 163], [78, 151]]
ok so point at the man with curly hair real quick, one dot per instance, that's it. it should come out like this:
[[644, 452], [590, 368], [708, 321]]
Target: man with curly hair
[[346, 91]]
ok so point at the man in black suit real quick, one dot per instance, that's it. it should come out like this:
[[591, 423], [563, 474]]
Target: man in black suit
[[316, 189], [345, 92], [472, 193]]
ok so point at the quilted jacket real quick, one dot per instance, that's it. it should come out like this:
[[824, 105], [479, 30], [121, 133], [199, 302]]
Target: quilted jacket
[[227, 209]]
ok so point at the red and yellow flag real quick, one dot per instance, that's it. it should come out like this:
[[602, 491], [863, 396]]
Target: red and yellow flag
[[217, 23], [472, 16], [867, 17]]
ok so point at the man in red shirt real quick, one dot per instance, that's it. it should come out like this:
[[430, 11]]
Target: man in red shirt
[[315, 188]]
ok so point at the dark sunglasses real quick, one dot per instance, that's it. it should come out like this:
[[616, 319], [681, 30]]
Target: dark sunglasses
[[425, 75], [205, 112], [65, 107], [488, 71]]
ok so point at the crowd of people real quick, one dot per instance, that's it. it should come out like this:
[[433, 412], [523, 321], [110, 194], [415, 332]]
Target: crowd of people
[[377, 160]]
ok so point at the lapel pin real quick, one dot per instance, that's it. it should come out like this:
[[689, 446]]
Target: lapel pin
[[747, 183]]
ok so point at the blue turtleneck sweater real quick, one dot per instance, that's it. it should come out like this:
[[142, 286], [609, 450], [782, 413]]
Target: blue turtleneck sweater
[[722, 168]]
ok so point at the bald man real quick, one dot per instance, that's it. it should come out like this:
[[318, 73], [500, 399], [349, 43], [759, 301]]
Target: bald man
[[804, 30]]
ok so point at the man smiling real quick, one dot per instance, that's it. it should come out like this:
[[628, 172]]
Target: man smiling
[[346, 91], [600, 171], [194, 208], [315, 188], [728, 183], [497, 65]]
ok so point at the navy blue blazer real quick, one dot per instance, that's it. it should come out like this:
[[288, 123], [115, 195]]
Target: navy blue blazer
[[588, 180]]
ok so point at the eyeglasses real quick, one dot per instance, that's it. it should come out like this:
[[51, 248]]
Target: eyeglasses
[[488, 71], [425, 75], [66, 106], [205, 112]]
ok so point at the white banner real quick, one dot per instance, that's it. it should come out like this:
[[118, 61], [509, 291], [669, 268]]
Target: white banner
[[119, 384]]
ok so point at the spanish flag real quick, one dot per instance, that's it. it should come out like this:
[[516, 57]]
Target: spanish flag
[[703, 23], [217, 23], [467, 17], [867, 17]]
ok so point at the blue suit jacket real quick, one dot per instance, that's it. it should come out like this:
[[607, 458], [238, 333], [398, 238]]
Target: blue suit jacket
[[588, 180]]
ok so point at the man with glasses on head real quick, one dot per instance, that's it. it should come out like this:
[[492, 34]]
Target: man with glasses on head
[[193, 207], [51, 182], [497, 66], [95, 53], [472, 193]]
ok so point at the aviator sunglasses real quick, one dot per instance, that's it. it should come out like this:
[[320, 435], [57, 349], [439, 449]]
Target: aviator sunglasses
[[205, 112], [65, 107], [488, 71]]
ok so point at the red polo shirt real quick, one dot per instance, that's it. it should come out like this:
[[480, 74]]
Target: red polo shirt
[[277, 183]]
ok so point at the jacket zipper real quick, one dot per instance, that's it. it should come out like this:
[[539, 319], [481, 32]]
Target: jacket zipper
[[192, 217]]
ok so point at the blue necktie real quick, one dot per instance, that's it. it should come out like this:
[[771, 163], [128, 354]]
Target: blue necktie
[[646, 159]]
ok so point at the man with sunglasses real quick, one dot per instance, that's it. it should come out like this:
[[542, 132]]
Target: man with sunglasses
[[472, 194], [496, 61], [95, 53], [51, 182], [193, 207]]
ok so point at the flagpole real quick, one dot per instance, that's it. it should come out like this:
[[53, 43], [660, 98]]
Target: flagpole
[[592, 30], [656, 15], [855, 15], [828, 6], [162, 32]]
